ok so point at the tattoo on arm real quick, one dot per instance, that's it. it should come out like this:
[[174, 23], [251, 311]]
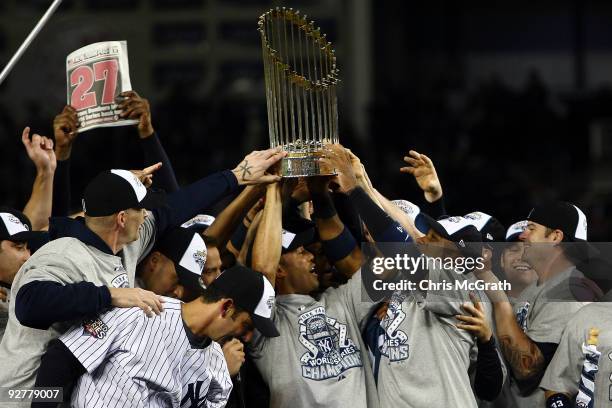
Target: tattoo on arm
[[525, 363], [246, 169]]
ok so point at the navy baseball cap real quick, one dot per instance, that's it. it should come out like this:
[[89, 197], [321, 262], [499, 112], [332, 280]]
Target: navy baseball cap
[[252, 292], [459, 230], [563, 216], [187, 250], [291, 241], [117, 190], [297, 232], [490, 228]]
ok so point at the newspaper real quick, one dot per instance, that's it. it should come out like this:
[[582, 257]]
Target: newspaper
[[96, 74]]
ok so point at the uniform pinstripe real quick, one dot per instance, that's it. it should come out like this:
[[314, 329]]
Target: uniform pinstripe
[[132, 360]]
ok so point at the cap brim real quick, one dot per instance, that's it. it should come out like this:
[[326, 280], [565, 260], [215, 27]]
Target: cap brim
[[27, 236], [265, 326], [434, 225], [154, 199], [514, 237], [421, 223]]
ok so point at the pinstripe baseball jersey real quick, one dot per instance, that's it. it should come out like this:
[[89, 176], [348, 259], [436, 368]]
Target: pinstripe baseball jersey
[[136, 361]]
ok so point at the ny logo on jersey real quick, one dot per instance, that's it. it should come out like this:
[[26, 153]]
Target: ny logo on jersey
[[193, 395], [325, 345]]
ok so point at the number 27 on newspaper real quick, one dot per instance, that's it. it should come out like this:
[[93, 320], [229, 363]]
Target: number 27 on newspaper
[[96, 75]]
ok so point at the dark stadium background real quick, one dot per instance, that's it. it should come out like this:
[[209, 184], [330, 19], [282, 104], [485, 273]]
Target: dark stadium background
[[511, 99]]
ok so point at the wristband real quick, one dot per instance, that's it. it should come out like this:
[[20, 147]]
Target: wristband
[[558, 401], [323, 206], [340, 247], [239, 236]]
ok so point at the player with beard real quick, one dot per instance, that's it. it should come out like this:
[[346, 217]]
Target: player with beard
[[529, 333]]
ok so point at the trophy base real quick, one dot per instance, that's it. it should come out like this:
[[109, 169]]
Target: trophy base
[[302, 165]]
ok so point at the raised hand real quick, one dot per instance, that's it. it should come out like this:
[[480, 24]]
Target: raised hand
[[146, 175], [336, 158], [136, 107], [358, 167], [65, 127], [424, 172], [40, 151], [253, 169]]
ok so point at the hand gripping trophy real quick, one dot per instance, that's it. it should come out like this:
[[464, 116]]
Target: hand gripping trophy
[[301, 79]]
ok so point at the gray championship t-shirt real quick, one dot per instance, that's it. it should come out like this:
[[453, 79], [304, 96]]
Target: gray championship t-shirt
[[64, 260], [564, 371], [320, 359], [542, 311], [425, 357]]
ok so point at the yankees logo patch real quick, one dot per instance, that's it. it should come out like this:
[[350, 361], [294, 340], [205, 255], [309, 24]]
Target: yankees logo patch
[[393, 343], [330, 351], [120, 281], [95, 327]]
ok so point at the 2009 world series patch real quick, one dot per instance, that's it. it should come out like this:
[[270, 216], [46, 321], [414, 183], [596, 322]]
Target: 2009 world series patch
[[330, 350], [95, 327]]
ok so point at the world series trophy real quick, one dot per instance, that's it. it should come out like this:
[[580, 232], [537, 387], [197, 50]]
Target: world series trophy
[[301, 77]]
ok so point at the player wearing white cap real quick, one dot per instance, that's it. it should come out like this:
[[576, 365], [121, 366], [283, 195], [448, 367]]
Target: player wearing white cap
[[17, 241], [15, 235]]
